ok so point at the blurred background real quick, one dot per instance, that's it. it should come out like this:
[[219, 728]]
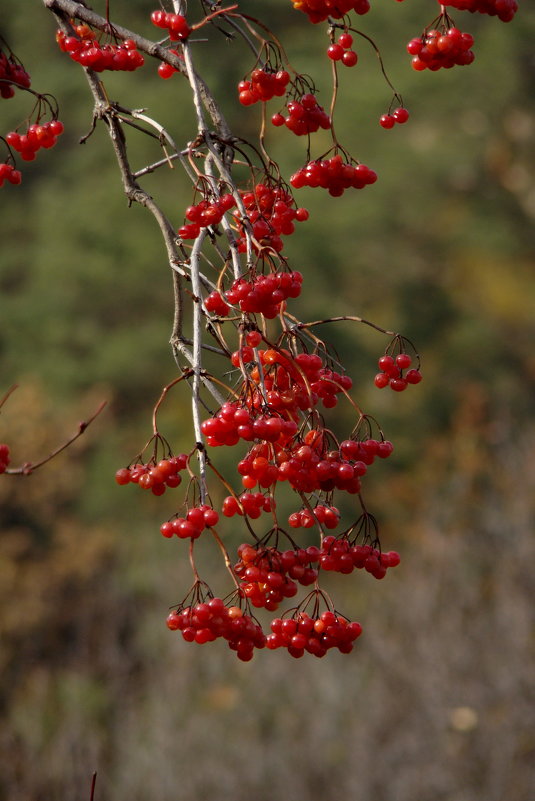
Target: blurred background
[[437, 702]]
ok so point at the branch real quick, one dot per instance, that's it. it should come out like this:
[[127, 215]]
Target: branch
[[29, 467]]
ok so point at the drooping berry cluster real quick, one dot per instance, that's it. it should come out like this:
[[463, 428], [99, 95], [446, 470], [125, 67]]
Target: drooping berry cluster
[[262, 86], [204, 214], [437, 49], [12, 76], [305, 116], [191, 527], [319, 10], [175, 24], [154, 476], [166, 70], [37, 136], [272, 213], [328, 516], [503, 9], [341, 555], [251, 504], [87, 51], [341, 50], [392, 372], [316, 636], [269, 575], [10, 174], [234, 422], [333, 174], [5, 457], [264, 294], [399, 115], [211, 620]]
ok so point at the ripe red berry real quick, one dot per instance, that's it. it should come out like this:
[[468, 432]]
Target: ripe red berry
[[400, 115], [349, 58], [335, 52], [387, 121]]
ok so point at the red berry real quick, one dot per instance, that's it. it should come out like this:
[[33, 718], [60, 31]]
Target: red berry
[[349, 58], [387, 121]]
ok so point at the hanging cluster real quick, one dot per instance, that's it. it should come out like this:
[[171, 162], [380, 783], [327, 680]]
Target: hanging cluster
[[12, 75], [278, 382], [87, 51], [503, 9], [333, 174], [437, 49], [320, 10], [305, 116], [262, 86]]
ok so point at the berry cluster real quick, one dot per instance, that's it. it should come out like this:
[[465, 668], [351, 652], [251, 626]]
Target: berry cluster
[[204, 214], [88, 52], [12, 75], [10, 174], [37, 136], [341, 50], [190, 527], [316, 636], [263, 86], [319, 10], [234, 422], [251, 504], [503, 9], [437, 49], [4, 457], [208, 621], [215, 303], [399, 115], [306, 378], [340, 555], [333, 174], [328, 516], [154, 476], [272, 214], [392, 372], [269, 575], [166, 70], [305, 116], [176, 24], [264, 294]]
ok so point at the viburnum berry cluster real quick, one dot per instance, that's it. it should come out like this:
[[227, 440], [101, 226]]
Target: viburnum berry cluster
[[209, 620], [263, 85], [192, 525], [154, 476], [175, 24], [437, 49], [305, 116], [320, 10], [341, 50], [41, 133], [38, 135], [299, 467], [505, 10], [89, 52], [204, 214], [272, 213], [396, 370], [334, 174], [9, 173], [398, 115], [316, 636], [12, 74]]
